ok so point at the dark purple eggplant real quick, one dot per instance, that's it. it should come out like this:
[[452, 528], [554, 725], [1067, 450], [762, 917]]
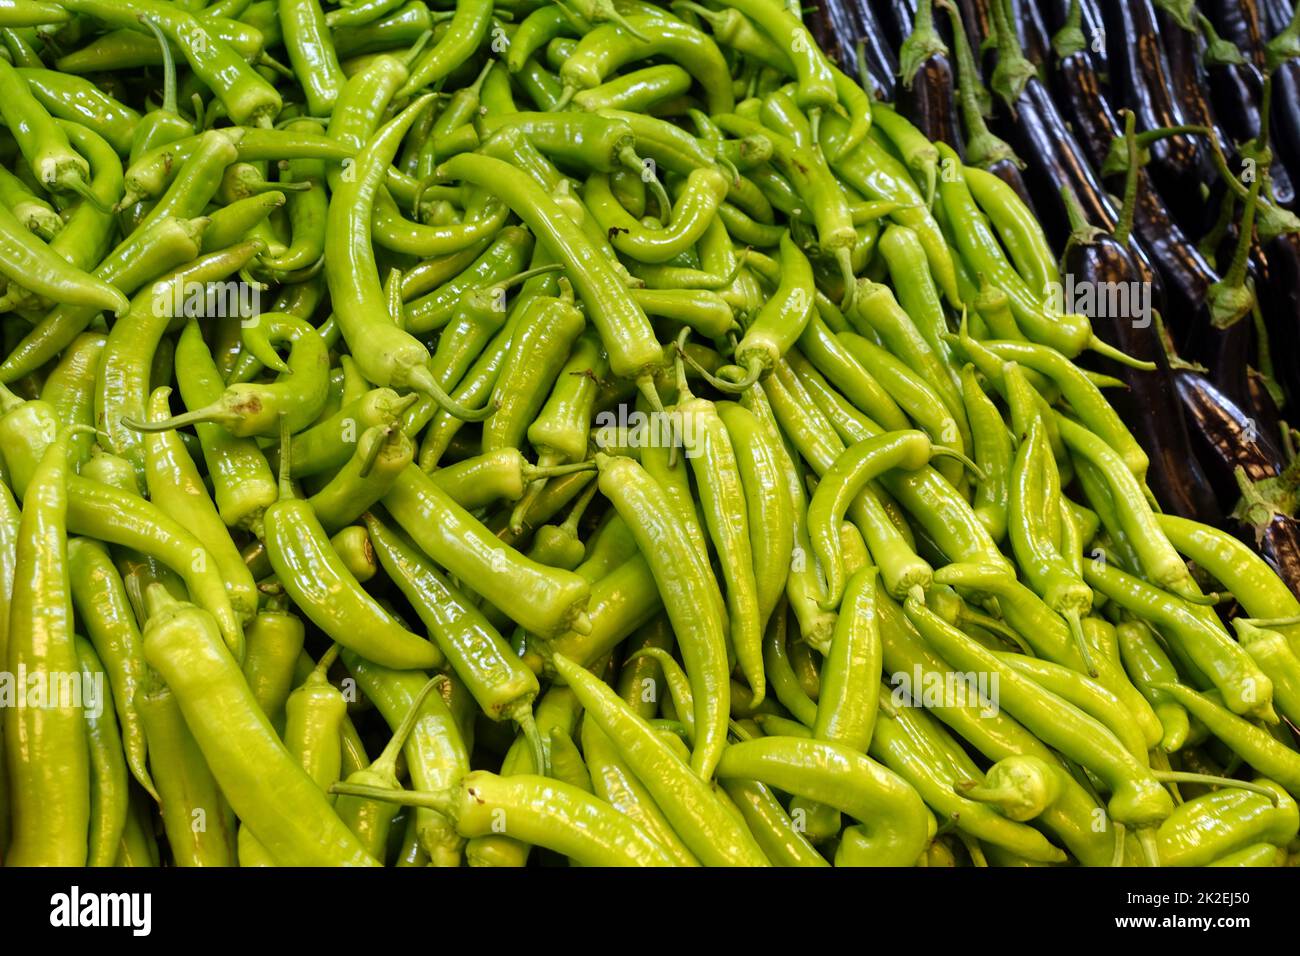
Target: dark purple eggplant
[[977, 19], [1280, 304], [878, 64], [1225, 437], [1240, 23], [1150, 405], [1279, 542], [1186, 275], [1035, 39], [1278, 18], [1236, 90], [841, 21], [1092, 27], [926, 95], [896, 17], [1139, 80]]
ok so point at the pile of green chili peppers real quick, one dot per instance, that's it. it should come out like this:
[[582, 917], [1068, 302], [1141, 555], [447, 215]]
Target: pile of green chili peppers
[[478, 433]]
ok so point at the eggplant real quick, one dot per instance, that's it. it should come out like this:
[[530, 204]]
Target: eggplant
[[1139, 80], [840, 21], [926, 91], [1150, 404], [1276, 16], [1240, 23], [1237, 90], [1278, 542], [879, 63], [930, 102], [978, 21], [1185, 273], [1094, 29], [1225, 437], [1280, 304], [1035, 39]]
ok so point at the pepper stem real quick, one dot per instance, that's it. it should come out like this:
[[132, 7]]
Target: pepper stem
[[209, 413], [579, 508], [409, 57], [387, 759], [286, 463], [421, 380], [325, 663], [1117, 857], [1115, 355], [520, 277], [438, 800], [995, 626], [943, 451], [1076, 630], [376, 449], [631, 161], [1150, 849], [523, 716], [1124, 228], [77, 184], [531, 472], [844, 257], [1183, 776], [753, 372], [169, 65]]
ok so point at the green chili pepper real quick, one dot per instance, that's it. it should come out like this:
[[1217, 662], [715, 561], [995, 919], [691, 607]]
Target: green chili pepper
[[1136, 797], [176, 486], [608, 47], [626, 333], [123, 388], [910, 742], [383, 452], [543, 600], [992, 449], [768, 505], [503, 687], [1271, 651], [889, 810], [242, 483], [1260, 591], [274, 639], [835, 360], [1257, 747], [1205, 829], [916, 671], [49, 762], [1245, 688], [843, 481], [436, 754], [371, 820], [199, 824], [687, 802], [268, 790], [327, 592]]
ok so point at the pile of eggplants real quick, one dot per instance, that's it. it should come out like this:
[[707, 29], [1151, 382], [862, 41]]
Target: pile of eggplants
[[1057, 80]]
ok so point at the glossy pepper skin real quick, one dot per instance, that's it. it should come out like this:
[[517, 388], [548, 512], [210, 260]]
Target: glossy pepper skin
[[48, 759], [267, 788]]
